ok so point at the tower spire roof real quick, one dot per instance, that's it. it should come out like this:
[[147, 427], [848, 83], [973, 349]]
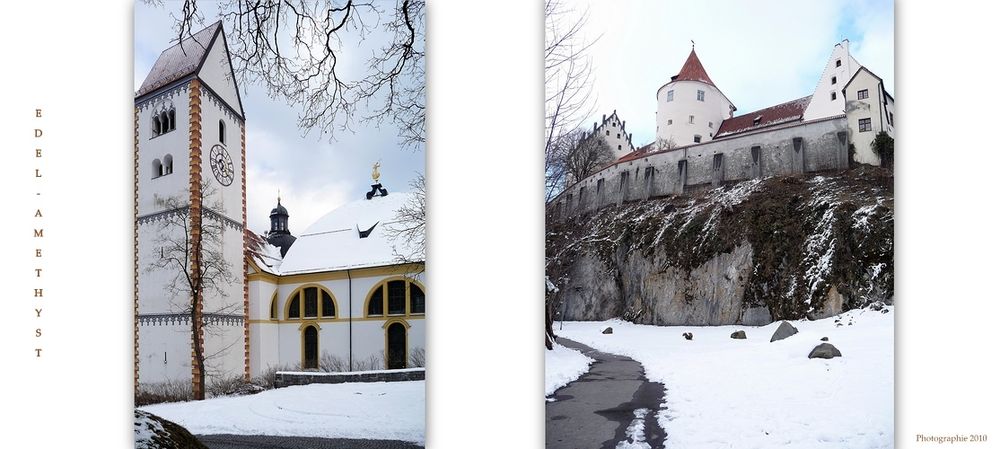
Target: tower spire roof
[[693, 70]]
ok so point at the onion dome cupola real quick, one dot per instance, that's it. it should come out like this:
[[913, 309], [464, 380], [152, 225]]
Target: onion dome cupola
[[690, 107], [279, 235]]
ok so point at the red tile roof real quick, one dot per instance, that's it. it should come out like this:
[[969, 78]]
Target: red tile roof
[[693, 71], [774, 115]]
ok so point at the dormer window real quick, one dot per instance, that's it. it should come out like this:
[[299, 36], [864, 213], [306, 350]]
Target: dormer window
[[701, 95]]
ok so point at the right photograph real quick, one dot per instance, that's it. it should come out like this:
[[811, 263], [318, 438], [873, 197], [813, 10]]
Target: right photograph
[[719, 243]]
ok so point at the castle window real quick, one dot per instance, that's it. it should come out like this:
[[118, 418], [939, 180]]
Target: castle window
[[864, 124], [701, 95], [222, 131], [690, 119], [833, 80], [670, 95], [838, 63], [710, 124], [619, 135], [833, 95], [697, 138], [862, 94], [157, 168], [171, 122], [619, 147], [670, 122], [168, 164], [156, 126], [607, 132]]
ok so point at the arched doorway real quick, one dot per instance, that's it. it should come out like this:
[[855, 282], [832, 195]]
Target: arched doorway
[[310, 348], [395, 346]]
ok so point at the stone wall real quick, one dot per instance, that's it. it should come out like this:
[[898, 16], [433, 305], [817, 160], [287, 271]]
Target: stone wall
[[288, 378], [784, 150]]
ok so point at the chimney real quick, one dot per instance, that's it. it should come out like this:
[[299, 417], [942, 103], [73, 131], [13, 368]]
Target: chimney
[[605, 118]]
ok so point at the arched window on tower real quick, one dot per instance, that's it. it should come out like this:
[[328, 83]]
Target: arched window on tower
[[157, 168], [156, 125], [168, 164], [222, 132], [172, 120]]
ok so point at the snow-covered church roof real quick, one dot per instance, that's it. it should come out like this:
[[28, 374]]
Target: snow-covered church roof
[[351, 236]]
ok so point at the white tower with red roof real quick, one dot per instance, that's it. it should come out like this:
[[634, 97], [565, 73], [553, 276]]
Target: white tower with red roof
[[690, 107]]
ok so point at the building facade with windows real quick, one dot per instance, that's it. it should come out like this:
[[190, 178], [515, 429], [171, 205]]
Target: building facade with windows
[[345, 295]]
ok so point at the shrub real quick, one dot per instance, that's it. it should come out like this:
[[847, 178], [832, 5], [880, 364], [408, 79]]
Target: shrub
[[417, 358], [332, 364], [169, 391], [883, 146]]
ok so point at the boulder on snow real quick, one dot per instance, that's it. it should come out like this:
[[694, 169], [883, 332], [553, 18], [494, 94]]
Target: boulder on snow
[[688, 336], [153, 432], [824, 351], [825, 339], [738, 335], [607, 330], [785, 330]]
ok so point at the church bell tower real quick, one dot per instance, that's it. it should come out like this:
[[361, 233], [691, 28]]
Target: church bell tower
[[190, 216]]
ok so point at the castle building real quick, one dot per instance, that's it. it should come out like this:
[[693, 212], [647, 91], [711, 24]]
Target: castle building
[[700, 143], [339, 292], [611, 131]]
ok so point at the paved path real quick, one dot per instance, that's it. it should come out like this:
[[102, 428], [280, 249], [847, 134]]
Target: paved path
[[270, 442], [595, 410]]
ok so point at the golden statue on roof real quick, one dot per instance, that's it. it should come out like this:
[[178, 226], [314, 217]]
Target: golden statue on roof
[[375, 173]]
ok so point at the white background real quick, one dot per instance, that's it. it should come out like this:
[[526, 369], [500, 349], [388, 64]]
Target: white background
[[73, 59]]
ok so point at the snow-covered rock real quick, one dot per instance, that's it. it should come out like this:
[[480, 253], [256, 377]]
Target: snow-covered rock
[[153, 432], [784, 330], [824, 351]]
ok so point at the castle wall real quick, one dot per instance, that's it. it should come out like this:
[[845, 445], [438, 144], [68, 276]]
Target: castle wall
[[800, 148]]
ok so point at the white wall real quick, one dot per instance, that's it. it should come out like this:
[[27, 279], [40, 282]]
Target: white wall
[[708, 114], [821, 105], [280, 343]]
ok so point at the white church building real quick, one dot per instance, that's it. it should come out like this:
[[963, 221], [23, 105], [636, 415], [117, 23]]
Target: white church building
[[341, 292]]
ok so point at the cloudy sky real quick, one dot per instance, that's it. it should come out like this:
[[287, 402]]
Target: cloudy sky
[[314, 174], [758, 53]]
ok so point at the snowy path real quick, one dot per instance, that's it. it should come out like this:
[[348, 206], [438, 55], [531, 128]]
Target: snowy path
[[612, 406]]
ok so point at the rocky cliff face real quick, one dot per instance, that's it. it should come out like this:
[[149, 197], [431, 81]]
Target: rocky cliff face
[[749, 253]]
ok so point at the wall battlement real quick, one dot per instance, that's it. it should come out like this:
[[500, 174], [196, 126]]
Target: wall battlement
[[799, 148]]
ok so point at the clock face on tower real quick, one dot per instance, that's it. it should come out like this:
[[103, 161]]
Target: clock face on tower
[[222, 165]]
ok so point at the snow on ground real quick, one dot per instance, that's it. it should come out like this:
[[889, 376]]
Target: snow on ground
[[562, 366], [377, 410], [726, 393]]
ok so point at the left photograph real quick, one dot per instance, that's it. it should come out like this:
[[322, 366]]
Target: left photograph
[[279, 214]]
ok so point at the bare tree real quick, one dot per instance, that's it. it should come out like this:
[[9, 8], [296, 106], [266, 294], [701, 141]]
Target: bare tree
[[568, 85], [665, 144], [197, 265], [408, 228], [581, 155], [294, 49]]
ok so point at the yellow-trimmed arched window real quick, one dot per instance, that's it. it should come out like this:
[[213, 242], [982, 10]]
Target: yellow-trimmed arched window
[[395, 297], [311, 301]]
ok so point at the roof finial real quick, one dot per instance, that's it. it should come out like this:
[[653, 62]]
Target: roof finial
[[375, 172], [279, 195], [692, 44]]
